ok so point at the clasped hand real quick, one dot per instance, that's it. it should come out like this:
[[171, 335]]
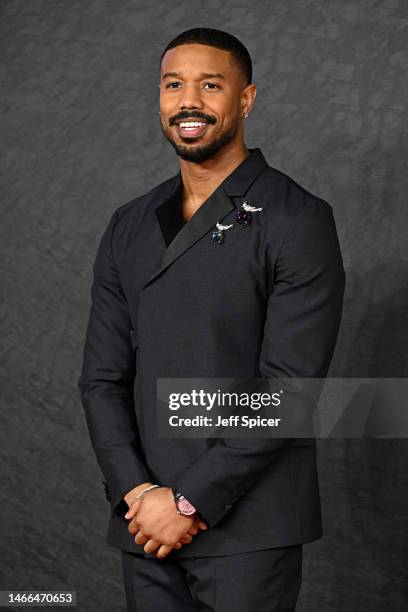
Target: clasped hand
[[156, 524]]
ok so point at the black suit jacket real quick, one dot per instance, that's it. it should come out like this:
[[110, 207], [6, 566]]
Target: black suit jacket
[[169, 302]]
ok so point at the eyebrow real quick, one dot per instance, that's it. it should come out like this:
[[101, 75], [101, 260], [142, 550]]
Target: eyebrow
[[203, 75]]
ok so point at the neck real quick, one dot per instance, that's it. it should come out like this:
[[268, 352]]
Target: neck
[[201, 180]]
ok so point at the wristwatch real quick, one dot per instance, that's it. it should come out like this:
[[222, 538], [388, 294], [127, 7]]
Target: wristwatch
[[182, 504]]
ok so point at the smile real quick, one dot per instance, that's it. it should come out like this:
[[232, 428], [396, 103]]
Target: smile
[[191, 124], [191, 129]]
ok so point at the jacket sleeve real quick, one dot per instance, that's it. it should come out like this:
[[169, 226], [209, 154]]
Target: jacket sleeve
[[107, 378], [301, 327]]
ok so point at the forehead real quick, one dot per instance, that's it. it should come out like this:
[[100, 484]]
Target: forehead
[[193, 59]]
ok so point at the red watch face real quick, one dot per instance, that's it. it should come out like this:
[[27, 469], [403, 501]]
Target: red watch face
[[185, 507]]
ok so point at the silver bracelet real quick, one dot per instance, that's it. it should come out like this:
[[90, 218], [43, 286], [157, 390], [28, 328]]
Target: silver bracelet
[[139, 495]]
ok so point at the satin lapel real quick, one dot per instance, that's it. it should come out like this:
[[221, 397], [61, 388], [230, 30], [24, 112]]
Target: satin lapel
[[170, 214], [212, 210]]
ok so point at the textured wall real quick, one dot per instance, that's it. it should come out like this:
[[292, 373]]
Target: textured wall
[[81, 136]]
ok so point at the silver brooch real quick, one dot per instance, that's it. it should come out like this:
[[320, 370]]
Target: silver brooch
[[243, 216], [217, 235]]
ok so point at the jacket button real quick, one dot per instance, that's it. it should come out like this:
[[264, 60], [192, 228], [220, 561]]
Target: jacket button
[[228, 507]]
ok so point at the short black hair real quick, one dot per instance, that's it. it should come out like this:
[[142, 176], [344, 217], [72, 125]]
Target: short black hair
[[219, 39]]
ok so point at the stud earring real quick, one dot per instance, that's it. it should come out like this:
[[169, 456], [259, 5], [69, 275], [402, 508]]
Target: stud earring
[[245, 115]]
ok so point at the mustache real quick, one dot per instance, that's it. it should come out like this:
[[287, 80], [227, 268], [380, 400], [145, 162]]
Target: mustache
[[195, 115]]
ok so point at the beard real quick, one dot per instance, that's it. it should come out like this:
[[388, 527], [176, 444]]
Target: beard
[[201, 153]]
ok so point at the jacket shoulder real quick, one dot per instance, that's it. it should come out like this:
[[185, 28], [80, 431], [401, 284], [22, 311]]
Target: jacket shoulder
[[283, 196], [138, 205]]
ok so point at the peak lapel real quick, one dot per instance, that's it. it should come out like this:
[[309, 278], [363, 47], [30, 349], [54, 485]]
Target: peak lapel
[[214, 209]]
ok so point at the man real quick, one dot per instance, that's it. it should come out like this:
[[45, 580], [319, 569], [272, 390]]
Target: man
[[228, 269]]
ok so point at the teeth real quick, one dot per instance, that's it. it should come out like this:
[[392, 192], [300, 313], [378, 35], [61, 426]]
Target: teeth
[[191, 124]]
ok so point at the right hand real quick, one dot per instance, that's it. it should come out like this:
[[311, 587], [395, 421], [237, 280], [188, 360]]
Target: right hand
[[135, 505]]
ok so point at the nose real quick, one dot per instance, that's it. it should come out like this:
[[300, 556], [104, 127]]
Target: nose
[[190, 97]]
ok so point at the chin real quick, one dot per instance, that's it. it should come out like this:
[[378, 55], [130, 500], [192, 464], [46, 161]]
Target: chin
[[200, 153], [197, 152], [194, 154]]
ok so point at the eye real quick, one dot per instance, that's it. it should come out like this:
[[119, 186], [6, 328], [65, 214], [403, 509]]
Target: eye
[[213, 85], [169, 85]]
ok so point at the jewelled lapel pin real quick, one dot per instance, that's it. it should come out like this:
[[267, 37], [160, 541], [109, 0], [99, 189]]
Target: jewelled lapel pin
[[217, 235], [243, 216]]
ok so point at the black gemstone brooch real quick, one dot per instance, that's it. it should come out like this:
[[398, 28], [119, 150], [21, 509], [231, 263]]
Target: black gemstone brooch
[[243, 218], [217, 235], [244, 215]]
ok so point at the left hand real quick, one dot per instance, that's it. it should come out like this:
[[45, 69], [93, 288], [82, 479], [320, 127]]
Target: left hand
[[156, 523]]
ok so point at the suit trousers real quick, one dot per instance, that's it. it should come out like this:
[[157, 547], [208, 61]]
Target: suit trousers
[[263, 580]]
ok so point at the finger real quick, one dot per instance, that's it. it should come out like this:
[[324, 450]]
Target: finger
[[133, 508], [133, 527], [151, 546], [141, 538], [186, 539], [202, 525], [163, 551], [193, 531], [178, 545]]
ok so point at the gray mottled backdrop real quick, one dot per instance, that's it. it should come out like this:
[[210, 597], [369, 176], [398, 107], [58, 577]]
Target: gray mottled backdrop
[[80, 137]]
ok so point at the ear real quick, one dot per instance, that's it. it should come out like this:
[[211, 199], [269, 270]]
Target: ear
[[248, 95]]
